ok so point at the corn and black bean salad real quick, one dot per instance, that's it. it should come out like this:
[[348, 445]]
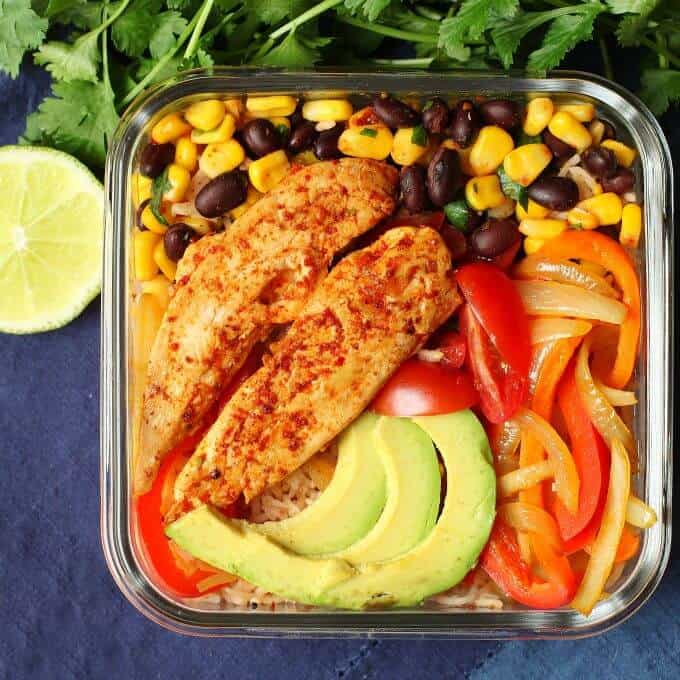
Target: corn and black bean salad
[[506, 174]]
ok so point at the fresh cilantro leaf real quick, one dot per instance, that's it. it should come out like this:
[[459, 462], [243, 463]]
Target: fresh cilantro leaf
[[524, 138], [133, 30], [512, 189], [159, 186], [470, 22], [368, 132], [86, 15], [295, 50], [458, 213], [169, 26], [564, 34], [76, 61], [78, 118], [200, 59], [371, 9], [419, 136], [283, 130], [272, 12], [631, 6], [54, 7], [660, 87], [21, 29]]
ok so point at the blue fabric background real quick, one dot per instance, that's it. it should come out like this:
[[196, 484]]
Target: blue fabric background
[[63, 617]]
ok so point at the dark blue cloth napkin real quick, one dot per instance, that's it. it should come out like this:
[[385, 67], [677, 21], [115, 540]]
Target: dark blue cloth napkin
[[64, 618]]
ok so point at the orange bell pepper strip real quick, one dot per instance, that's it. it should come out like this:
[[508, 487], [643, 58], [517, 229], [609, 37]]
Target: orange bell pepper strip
[[605, 251]]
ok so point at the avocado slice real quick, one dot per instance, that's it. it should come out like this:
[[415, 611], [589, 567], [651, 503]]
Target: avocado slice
[[350, 505], [438, 562], [413, 489]]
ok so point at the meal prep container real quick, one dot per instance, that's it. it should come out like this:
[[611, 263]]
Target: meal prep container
[[653, 417]]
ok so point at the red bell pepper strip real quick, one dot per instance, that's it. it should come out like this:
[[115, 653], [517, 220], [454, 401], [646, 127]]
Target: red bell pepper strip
[[605, 251]]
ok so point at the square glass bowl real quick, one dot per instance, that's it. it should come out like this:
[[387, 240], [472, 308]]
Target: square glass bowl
[[653, 417]]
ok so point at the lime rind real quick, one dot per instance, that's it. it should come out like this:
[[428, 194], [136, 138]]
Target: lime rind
[[61, 188]]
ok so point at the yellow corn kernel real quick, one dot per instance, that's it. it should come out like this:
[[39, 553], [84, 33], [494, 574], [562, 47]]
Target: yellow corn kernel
[[169, 128], [370, 141], [141, 188], [199, 224], [252, 197], [535, 210], [631, 225], [165, 264], [144, 244], [492, 145], [527, 162], [483, 193], [583, 112], [532, 245], [362, 117], [158, 287], [186, 154], [606, 207], [539, 113], [179, 179], [280, 121], [327, 109], [223, 133], [565, 127], [266, 172], [222, 157], [205, 115], [624, 154], [148, 219], [306, 158], [579, 218], [404, 150], [596, 129], [234, 107], [274, 105], [542, 229]]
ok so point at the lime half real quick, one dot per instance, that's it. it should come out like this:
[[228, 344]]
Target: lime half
[[51, 229]]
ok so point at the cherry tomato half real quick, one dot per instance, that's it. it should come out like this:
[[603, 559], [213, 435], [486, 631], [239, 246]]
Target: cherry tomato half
[[423, 388]]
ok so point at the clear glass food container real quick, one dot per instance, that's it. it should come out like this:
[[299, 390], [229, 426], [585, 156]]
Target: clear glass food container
[[653, 417]]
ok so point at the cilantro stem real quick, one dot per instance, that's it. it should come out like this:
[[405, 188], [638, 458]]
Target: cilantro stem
[[203, 14], [428, 13], [303, 18], [671, 58], [105, 51], [606, 60], [388, 31], [103, 26], [420, 62]]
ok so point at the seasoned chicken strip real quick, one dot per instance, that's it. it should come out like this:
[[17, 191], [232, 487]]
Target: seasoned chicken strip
[[234, 286], [374, 310]]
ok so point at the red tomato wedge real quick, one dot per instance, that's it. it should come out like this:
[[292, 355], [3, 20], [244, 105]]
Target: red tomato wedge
[[452, 345], [591, 456], [423, 388]]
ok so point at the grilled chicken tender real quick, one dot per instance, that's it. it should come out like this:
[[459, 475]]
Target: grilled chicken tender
[[374, 310], [234, 286]]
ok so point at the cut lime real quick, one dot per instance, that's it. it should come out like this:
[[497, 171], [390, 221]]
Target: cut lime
[[51, 228]]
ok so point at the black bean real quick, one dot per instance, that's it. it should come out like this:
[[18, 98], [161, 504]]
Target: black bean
[[609, 130], [302, 137], [223, 193], [494, 237], [444, 176], [436, 116], [138, 214], [176, 240], [620, 182], [395, 113], [599, 161], [260, 137], [465, 124], [413, 180], [455, 241], [326, 144], [155, 158], [559, 148], [556, 193], [502, 112]]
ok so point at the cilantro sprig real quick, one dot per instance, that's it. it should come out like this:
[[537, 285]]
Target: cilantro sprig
[[106, 52]]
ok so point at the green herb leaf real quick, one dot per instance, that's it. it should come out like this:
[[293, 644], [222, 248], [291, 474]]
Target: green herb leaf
[[371, 9], [295, 51], [169, 26], [78, 118], [419, 136], [282, 130], [158, 187], [84, 15], [132, 32], [631, 6], [524, 138], [368, 132], [78, 61], [564, 34], [458, 213], [21, 29], [660, 87], [513, 189], [272, 12]]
